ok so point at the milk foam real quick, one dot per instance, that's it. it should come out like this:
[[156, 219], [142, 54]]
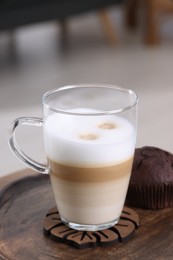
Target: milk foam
[[88, 140]]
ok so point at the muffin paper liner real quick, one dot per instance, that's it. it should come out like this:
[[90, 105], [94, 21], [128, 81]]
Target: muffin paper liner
[[150, 197]]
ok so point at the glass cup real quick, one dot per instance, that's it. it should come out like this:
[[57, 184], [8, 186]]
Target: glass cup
[[89, 134]]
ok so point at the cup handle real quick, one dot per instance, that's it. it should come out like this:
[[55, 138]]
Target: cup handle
[[35, 121]]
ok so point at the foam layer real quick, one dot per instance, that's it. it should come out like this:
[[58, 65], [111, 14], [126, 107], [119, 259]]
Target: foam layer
[[88, 140]]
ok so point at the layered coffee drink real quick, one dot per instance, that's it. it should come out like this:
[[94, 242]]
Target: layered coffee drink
[[90, 160]]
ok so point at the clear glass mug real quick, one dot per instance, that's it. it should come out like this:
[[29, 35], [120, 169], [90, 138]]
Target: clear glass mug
[[89, 134]]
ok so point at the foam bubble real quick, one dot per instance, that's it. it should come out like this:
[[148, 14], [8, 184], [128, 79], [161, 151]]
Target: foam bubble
[[107, 125], [88, 140]]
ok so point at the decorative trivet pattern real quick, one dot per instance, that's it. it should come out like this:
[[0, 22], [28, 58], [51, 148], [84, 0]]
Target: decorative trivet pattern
[[120, 232]]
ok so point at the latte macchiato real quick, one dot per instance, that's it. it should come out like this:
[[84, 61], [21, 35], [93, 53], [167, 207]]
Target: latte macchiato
[[89, 134], [90, 160]]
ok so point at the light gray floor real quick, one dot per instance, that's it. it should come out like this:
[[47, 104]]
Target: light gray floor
[[33, 61]]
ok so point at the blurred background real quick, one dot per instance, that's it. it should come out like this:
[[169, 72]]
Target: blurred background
[[48, 44]]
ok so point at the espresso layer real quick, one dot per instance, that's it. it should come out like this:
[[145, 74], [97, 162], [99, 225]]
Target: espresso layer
[[90, 174]]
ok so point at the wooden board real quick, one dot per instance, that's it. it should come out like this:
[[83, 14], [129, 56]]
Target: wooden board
[[24, 204]]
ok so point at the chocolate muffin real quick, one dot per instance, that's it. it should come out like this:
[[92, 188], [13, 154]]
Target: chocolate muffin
[[151, 183]]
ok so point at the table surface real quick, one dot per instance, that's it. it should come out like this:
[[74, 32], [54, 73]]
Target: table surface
[[24, 204]]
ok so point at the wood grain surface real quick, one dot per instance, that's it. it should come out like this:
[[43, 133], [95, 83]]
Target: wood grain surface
[[24, 204]]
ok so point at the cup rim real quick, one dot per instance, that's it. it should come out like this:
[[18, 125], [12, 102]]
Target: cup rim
[[75, 86]]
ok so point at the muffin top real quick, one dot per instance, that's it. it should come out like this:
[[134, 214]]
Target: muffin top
[[152, 166]]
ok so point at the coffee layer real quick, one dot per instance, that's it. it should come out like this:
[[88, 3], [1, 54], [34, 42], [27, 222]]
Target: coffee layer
[[90, 203], [90, 174]]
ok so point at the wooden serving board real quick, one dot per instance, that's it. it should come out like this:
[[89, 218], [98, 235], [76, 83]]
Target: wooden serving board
[[24, 204]]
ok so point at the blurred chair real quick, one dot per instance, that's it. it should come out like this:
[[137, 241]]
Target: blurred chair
[[151, 10], [14, 13], [131, 13]]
